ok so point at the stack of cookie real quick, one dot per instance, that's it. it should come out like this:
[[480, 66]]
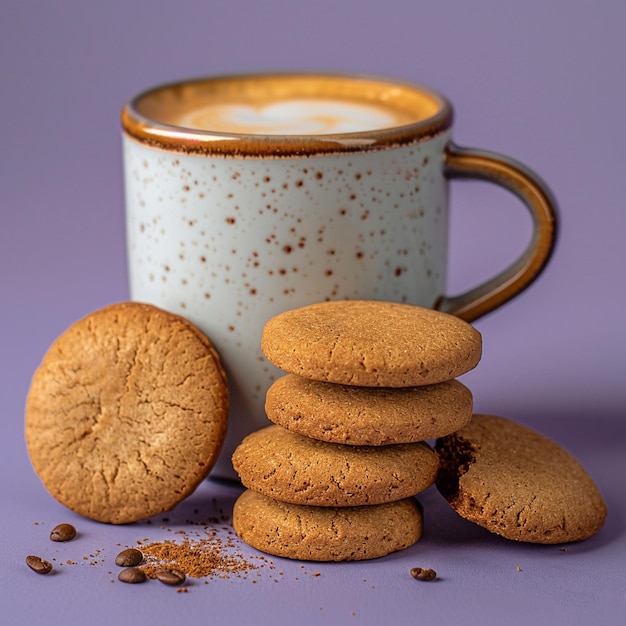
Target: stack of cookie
[[367, 384]]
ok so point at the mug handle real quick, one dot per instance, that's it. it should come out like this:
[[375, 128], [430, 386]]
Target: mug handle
[[534, 193]]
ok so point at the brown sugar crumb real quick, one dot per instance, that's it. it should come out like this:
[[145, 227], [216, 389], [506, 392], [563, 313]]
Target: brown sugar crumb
[[210, 556], [182, 590]]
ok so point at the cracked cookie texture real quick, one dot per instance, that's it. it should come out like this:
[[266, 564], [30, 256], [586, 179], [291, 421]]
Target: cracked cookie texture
[[371, 343], [518, 483], [368, 416], [297, 469], [127, 413], [326, 533]]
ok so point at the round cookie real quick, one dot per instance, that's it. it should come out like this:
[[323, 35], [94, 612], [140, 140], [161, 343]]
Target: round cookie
[[518, 483], [292, 468], [372, 416], [371, 344], [126, 413], [314, 533]]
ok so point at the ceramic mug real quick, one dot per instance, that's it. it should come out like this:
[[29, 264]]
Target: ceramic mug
[[250, 195]]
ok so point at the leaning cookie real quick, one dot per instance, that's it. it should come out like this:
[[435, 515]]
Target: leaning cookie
[[300, 470], [371, 416], [326, 534], [517, 483], [127, 413], [371, 343]]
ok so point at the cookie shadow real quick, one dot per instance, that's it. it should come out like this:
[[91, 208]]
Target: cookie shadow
[[215, 497], [211, 504]]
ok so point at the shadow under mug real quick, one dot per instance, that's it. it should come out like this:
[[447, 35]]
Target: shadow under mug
[[237, 210]]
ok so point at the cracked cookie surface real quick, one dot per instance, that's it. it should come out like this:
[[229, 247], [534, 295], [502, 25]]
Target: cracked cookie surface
[[127, 413], [371, 343], [518, 483], [326, 533], [297, 469], [368, 416]]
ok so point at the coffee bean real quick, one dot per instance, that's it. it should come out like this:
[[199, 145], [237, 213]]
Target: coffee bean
[[63, 532], [131, 575], [170, 576], [129, 558], [423, 574], [39, 565]]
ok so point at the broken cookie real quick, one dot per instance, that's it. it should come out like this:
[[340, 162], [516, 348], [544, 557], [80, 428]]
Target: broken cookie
[[517, 483]]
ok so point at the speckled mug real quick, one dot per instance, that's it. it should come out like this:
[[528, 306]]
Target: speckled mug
[[230, 227]]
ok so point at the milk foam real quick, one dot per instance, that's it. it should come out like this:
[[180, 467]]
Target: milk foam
[[291, 117]]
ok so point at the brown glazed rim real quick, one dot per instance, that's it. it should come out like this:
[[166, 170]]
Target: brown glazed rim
[[142, 126]]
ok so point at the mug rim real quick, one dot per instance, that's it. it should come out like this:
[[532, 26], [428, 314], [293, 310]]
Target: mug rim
[[173, 138]]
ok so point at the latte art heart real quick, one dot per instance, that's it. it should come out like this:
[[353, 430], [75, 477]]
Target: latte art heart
[[290, 117]]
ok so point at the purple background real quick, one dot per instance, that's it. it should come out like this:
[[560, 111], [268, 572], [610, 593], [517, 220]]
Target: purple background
[[540, 80]]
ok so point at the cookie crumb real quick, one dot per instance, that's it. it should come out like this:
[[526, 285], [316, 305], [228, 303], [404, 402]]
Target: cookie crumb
[[518, 568]]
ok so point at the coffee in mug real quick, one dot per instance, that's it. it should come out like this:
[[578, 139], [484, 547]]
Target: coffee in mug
[[250, 195]]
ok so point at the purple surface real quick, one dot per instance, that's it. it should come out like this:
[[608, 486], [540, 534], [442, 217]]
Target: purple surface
[[540, 81]]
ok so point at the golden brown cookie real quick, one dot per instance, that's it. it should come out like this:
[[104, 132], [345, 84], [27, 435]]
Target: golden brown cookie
[[326, 533], [126, 413], [371, 343], [518, 483], [289, 467], [372, 416]]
